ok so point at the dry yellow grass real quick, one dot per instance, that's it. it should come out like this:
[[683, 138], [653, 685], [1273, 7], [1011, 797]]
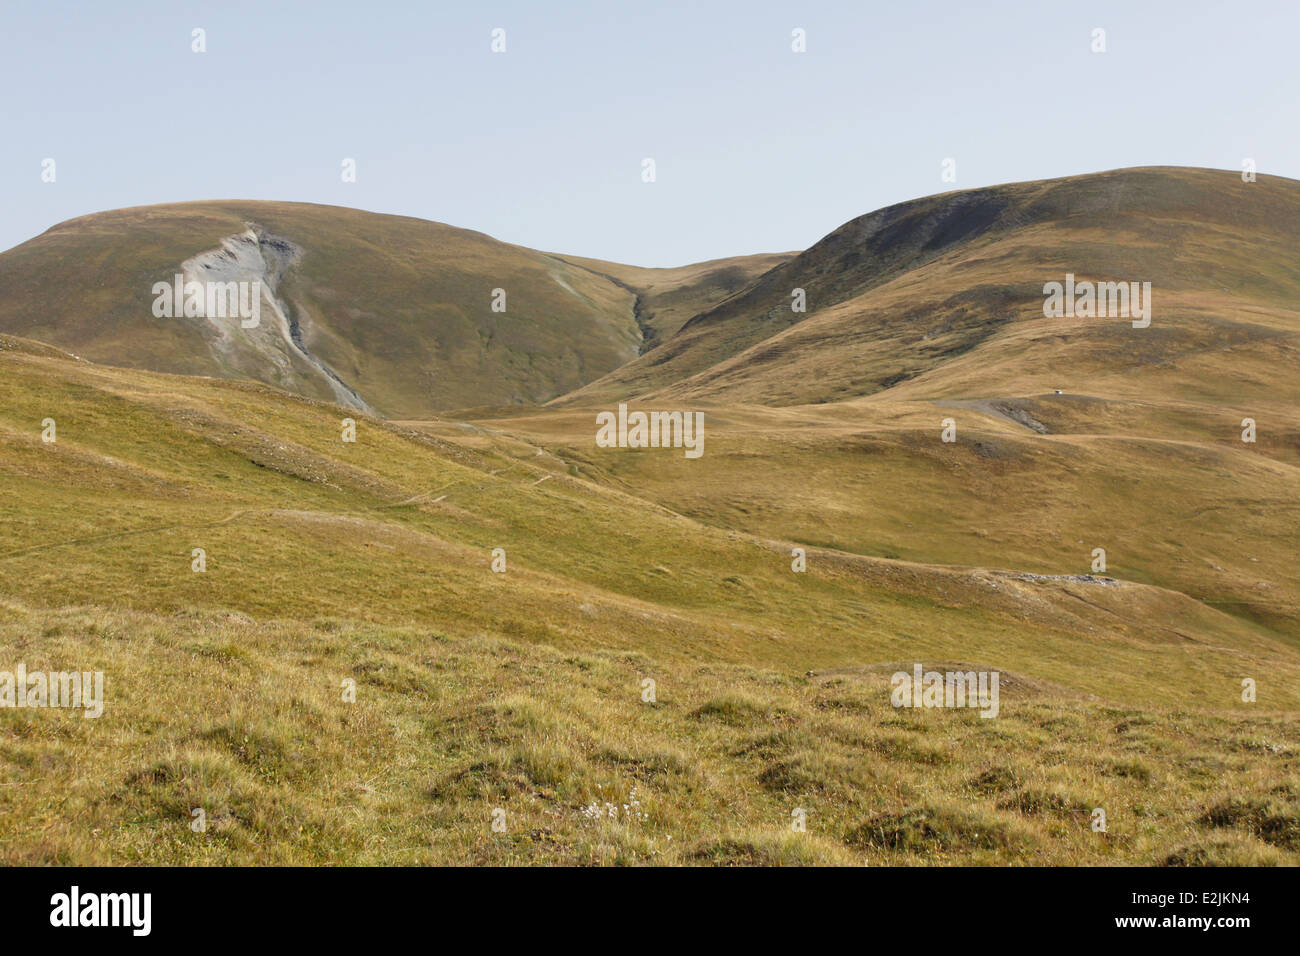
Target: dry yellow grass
[[247, 721]]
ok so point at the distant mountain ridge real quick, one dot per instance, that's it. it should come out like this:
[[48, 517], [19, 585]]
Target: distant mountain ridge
[[409, 318]]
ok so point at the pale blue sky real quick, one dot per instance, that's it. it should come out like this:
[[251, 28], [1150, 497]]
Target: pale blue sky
[[757, 148]]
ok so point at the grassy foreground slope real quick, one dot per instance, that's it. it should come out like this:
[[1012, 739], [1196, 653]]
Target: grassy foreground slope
[[399, 527], [245, 721], [521, 691]]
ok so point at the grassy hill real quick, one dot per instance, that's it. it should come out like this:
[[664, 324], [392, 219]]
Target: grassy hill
[[946, 294], [1174, 496], [397, 310]]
